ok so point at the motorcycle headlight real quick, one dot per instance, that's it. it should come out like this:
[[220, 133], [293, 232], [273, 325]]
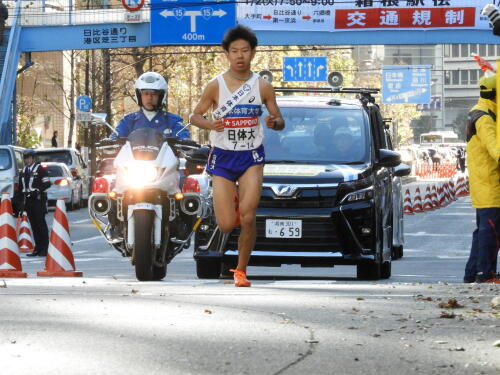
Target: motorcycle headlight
[[138, 176]]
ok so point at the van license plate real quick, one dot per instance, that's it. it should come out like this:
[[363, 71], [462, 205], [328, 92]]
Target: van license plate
[[283, 228]]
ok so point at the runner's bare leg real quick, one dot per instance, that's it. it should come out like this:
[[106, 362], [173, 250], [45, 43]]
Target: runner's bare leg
[[224, 206], [250, 186]]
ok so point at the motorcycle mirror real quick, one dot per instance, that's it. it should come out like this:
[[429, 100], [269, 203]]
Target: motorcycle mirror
[[185, 126], [100, 119]]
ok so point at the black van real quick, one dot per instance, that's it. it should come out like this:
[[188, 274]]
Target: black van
[[327, 197]]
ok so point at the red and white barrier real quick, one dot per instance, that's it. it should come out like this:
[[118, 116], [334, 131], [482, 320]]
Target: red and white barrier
[[24, 237], [59, 261], [407, 206], [10, 261]]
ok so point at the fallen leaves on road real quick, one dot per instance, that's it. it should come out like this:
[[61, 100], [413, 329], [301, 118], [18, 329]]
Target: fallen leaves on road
[[447, 315], [134, 291], [424, 298], [375, 335], [207, 311], [451, 304], [360, 299], [355, 309], [497, 344], [495, 302]]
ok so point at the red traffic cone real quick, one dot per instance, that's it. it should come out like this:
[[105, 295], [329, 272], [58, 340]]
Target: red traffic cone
[[434, 197], [24, 238], [10, 262], [417, 202], [427, 200], [407, 207], [59, 261]]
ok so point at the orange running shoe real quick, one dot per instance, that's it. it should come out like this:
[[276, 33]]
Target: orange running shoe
[[493, 280], [240, 278]]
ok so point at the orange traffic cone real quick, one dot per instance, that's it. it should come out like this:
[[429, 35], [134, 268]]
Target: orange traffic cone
[[10, 262], [427, 200], [24, 238], [417, 202], [60, 260], [407, 207]]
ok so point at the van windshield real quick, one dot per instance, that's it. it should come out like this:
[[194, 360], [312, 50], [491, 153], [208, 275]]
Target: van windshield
[[54, 156], [5, 160], [319, 135]]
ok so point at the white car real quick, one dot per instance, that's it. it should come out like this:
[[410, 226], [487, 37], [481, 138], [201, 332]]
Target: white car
[[72, 158], [63, 185]]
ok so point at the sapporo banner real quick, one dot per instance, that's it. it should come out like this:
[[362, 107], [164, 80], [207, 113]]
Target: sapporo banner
[[335, 15]]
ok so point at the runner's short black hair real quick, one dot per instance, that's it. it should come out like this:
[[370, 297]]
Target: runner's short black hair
[[239, 32]]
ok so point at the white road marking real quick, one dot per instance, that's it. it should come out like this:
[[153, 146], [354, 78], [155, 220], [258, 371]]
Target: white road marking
[[87, 239], [420, 234], [80, 221]]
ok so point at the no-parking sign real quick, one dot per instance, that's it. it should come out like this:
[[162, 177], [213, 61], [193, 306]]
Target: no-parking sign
[[133, 5]]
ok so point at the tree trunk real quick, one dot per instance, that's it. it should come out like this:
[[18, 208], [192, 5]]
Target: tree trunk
[[106, 73], [71, 99]]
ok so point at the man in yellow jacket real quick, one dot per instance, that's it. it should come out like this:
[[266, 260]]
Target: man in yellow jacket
[[483, 157]]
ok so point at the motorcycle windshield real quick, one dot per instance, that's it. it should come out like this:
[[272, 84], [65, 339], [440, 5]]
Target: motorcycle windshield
[[146, 143]]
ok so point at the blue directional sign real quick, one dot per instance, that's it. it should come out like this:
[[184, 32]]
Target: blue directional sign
[[191, 22], [304, 69], [84, 103], [406, 84]]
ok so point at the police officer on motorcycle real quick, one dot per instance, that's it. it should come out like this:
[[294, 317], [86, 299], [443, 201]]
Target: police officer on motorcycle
[[151, 96], [34, 181]]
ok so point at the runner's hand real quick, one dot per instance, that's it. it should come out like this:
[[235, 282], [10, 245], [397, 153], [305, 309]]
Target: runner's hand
[[218, 125], [271, 121]]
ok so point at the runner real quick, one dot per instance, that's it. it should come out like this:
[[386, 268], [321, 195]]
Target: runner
[[236, 136]]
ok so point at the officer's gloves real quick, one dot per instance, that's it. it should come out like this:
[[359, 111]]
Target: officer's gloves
[[492, 13]]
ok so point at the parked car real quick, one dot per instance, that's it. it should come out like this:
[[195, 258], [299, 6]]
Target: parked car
[[78, 169], [11, 163], [327, 196], [63, 185]]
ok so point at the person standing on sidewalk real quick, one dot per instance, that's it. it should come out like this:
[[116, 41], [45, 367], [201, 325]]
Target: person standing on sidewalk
[[34, 181], [484, 178]]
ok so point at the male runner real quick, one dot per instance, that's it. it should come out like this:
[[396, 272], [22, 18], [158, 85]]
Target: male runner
[[237, 155]]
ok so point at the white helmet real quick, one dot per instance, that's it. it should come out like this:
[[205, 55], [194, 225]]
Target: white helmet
[[151, 81]]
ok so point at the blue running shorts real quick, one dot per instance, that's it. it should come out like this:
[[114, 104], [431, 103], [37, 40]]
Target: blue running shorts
[[233, 164]]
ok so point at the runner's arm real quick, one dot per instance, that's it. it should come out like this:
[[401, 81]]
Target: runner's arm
[[274, 121], [207, 101]]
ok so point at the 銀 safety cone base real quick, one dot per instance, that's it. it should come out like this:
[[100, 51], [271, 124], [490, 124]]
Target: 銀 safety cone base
[[59, 261], [24, 237], [10, 262]]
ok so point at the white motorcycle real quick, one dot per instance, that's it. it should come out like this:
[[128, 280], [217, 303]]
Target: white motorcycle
[[145, 215]]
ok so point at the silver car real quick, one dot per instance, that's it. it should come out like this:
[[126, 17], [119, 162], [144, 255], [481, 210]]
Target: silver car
[[63, 185], [72, 158], [11, 162]]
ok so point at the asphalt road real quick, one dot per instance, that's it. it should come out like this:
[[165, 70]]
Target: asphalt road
[[292, 320]]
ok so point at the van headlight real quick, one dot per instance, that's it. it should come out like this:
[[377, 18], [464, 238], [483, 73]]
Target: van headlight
[[138, 176], [357, 190], [360, 195]]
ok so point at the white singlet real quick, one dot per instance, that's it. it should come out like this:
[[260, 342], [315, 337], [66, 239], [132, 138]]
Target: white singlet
[[242, 128]]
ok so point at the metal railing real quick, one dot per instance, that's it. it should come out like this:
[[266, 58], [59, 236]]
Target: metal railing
[[68, 12]]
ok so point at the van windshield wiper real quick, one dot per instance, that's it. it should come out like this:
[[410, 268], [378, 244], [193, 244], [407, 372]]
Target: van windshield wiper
[[289, 162]]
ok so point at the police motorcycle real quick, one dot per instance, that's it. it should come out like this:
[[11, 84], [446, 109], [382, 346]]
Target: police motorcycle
[[152, 220]]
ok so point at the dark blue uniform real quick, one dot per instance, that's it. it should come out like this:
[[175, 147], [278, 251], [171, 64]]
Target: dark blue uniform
[[34, 181]]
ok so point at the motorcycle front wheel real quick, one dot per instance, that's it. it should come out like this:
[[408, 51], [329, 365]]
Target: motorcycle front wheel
[[144, 246]]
